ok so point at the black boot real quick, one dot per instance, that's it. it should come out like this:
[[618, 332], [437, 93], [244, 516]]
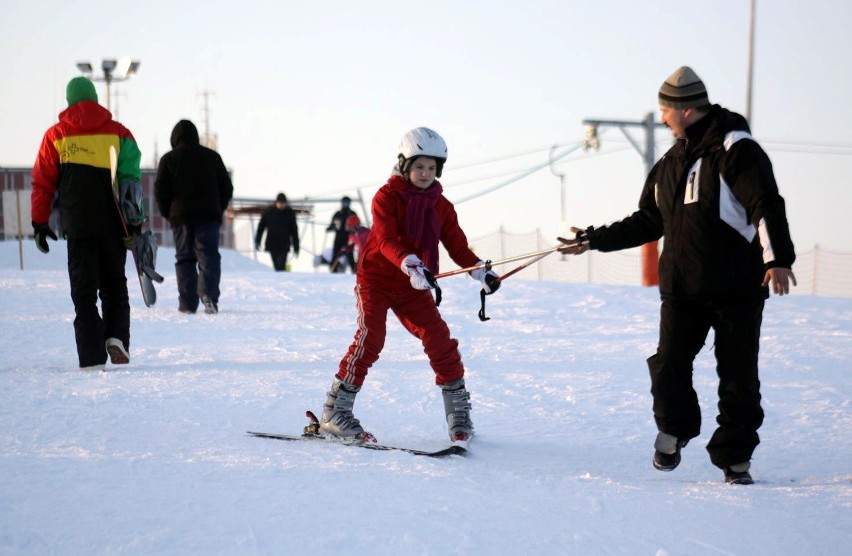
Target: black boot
[[667, 451], [738, 474]]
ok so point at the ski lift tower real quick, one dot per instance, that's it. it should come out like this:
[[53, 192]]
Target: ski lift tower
[[650, 254]]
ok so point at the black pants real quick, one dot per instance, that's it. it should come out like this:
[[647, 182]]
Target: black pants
[[198, 264], [96, 269], [338, 248], [279, 259], [684, 326]]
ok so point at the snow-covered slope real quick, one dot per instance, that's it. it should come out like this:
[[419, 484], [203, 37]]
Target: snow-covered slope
[[152, 458]]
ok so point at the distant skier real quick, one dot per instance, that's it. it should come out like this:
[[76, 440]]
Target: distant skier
[[356, 241], [341, 236], [410, 217], [74, 162]]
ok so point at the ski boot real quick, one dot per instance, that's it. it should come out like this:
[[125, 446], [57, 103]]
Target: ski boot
[[457, 408], [337, 419]]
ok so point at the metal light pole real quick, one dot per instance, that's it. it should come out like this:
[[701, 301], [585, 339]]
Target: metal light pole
[[650, 254], [750, 69], [114, 71], [563, 222]]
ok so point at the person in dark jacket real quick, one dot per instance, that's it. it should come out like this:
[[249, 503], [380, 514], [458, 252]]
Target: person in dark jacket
[[193, 190], [341, 237], [282, 232], [714, 200], [73, 162]]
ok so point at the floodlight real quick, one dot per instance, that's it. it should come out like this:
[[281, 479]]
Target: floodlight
[[84, 67], [591, 141]]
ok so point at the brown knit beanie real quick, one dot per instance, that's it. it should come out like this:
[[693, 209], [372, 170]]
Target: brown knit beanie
[[683, 89]]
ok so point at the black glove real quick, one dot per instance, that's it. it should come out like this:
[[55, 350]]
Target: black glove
[[492, 281], [42, 232], [488, 278]]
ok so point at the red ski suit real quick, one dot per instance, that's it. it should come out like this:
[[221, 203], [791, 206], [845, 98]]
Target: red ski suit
[[381, 285]]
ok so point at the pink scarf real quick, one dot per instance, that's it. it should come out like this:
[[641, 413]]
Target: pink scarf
[[422, 224]]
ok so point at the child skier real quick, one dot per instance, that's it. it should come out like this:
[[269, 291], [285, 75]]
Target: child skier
[[410, 216], [358, 235]]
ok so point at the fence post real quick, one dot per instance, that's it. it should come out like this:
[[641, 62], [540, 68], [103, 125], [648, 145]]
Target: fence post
[[589, 267], [816, 269], [20, 230], [540, 245]]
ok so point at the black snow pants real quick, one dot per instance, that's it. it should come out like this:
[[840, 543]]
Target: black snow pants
[[279, 259], [684, 325], [96, 269]]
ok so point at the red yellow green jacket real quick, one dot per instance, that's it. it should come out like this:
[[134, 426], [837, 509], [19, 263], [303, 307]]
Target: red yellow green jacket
[[73, 160]]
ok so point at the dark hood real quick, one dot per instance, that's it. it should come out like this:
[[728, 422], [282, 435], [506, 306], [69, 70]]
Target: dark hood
[[184, 134]]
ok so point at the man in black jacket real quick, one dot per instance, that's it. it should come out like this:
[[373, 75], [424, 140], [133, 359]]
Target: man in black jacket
[[279, 223], [714, 200], [193, 189]]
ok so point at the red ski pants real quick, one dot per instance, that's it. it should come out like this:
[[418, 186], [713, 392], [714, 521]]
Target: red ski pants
[[417, 312]]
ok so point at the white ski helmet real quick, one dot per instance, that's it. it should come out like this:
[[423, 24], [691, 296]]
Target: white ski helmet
[[422, 141]]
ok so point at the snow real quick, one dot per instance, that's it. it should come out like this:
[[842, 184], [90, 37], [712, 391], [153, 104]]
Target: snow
[[152, 457]]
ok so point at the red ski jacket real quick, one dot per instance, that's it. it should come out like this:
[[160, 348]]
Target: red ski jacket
[[387, 245]]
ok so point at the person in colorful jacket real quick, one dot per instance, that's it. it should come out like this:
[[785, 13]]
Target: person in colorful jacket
[[395, 270], [358, 236], [714, 200], [73, 162]]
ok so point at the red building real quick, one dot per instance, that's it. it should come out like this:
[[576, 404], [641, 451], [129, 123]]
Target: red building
[[20, 179]]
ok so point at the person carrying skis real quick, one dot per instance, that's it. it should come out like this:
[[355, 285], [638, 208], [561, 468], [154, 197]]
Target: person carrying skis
[[714, 200], [410, 217], [282, 232], [73, 162]]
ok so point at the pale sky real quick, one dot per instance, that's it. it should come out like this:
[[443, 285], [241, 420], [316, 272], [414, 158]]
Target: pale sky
[[312, 98]]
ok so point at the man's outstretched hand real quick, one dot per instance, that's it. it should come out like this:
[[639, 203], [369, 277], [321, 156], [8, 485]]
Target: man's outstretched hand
[[576, 246]]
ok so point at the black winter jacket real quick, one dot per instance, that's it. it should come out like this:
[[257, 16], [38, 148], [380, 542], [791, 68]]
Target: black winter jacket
[[714, 200], [281, 229], [193, 185]]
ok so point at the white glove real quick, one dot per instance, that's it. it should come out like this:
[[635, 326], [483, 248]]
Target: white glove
[[488, 278], [415, 269]]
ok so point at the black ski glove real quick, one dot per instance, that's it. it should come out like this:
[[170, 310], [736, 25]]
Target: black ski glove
[[492, 281], [42, 232]]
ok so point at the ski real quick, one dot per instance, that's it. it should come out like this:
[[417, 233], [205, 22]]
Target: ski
[[453, 450], [149, 294], [312, 434]]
